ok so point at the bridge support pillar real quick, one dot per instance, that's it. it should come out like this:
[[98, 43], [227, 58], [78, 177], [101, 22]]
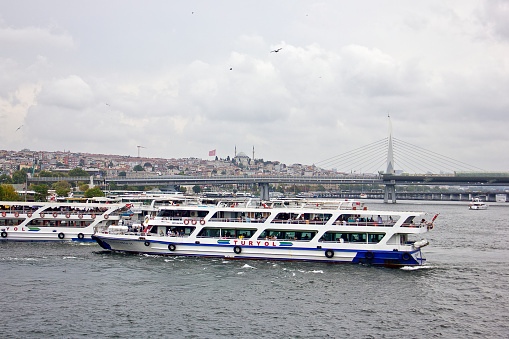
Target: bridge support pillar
[[390, 193], [264, 191]]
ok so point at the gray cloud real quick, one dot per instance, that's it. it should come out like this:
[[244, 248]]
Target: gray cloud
[[108, 77]]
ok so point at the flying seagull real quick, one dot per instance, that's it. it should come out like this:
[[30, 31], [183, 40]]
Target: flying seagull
[[277, 50], [19, 128]]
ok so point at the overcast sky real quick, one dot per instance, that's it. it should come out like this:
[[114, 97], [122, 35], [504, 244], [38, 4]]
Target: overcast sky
[[182, 78]]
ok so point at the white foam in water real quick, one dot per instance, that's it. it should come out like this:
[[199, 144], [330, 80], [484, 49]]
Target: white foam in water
[[317, 271], [414, 268], [248, 266]]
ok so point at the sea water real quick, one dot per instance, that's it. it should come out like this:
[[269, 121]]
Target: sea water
[[75, 290]]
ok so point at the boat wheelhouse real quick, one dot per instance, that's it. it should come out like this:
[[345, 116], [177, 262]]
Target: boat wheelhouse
[[46, 221], [477, 204], [310, 230]]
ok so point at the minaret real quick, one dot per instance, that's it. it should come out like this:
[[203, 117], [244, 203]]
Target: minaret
[[390, 155], [253, 152], [235, 151]]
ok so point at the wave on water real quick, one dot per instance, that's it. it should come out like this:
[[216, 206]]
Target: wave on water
[[22, 259], [415, 268], [248, 266], [69, 257]]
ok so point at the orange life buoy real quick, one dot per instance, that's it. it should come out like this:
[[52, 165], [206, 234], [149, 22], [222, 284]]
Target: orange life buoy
[[67, 215], [202, 222], [16, 214], [29, 214], [93, 216], [4, 214], [106, 216], [193, 222], [80, 216], [55, 215], [186, 222], [41, 215]]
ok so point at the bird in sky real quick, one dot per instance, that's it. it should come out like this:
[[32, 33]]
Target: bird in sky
[[276, 50], [19, 128]]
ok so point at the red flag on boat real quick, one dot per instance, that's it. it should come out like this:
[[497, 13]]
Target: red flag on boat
[[435, 217], [212, 153]]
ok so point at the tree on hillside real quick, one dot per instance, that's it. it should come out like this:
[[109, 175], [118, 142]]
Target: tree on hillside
[[94, 192], [62, 188], [78, 172], [122, 174], [8, 193], [41, 192], [138, 168], [51, 174], [83, 187], [196, 189], [19, 177], [5, 179]]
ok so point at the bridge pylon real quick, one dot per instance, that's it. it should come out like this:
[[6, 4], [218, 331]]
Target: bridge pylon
[[390, 189]]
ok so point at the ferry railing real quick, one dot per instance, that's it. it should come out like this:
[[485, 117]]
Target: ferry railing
[[238, 220], [299, 222], [416, 225], [364, 223]]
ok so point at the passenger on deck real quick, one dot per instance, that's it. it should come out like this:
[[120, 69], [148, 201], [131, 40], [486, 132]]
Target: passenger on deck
[[379, 220]]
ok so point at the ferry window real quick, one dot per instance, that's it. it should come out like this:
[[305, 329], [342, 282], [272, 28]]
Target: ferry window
[[332, 236], [245, 233], [209, 232], [288, 234], [316, 216], [286, 216], [372, 238], [409, 220], [375, 238], [357, 237], [180, 230]]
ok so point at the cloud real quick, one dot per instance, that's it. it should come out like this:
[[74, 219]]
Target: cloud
[[178, 83]]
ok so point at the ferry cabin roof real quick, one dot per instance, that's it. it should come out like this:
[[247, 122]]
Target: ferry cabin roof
[[294, 216]]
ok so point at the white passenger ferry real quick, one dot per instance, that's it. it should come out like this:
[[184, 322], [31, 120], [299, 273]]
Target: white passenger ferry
[[331, 231], [46, 221]]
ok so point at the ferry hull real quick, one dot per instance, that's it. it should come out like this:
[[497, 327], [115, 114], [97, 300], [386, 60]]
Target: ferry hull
[[47, 235], [322, 253]]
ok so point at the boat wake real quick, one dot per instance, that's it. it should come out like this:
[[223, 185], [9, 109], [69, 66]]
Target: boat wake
[[414, 268]]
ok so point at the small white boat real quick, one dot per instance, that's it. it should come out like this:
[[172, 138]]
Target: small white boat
[[340, 231], [477, 204]]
